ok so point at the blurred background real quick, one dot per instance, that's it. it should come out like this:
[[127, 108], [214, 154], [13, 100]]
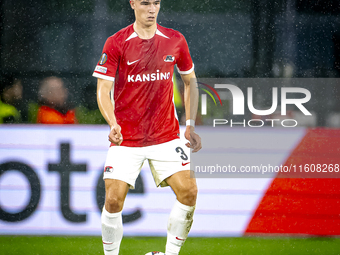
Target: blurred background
[[227, 38], [51, 176]]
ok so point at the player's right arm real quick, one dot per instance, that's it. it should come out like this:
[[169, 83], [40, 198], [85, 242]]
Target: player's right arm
[[106, 108]]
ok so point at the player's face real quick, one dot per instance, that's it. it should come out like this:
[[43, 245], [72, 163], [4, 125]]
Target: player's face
[[146, 11]]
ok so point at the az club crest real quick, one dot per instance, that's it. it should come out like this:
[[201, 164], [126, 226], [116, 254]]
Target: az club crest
[[169, 58], [108, 169]]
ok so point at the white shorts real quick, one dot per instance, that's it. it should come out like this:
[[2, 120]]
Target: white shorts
[[125, 163]]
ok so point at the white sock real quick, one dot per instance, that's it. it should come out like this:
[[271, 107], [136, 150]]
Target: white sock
[[112, 231], [179, 225]]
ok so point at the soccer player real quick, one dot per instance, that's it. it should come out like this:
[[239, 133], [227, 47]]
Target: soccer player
[[135, 96]]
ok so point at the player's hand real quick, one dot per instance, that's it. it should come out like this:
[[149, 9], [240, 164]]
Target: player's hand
[[115, 135], [195, 139]]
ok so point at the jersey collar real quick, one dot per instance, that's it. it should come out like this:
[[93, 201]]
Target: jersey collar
[[134, 35]]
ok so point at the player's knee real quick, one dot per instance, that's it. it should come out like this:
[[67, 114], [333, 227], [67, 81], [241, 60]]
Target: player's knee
[[188, 195], [113, 204]]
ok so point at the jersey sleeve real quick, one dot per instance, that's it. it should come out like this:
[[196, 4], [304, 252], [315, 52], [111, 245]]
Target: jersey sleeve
[[107, 65], [184, 61]]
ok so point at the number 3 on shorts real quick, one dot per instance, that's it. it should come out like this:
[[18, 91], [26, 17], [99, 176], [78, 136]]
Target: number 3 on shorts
[[183, 155]]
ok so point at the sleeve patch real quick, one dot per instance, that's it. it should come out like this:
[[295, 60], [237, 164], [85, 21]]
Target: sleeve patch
[[103, 59], [101, 69]]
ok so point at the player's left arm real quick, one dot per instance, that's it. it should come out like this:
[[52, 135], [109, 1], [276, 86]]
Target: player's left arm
[[191, 105]]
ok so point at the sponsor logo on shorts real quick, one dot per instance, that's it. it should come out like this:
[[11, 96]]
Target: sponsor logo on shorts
[[168, 58], [184, 164], [101, 69], [108, 169]]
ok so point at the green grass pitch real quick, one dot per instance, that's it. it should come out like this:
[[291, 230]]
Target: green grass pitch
[[47, 245]]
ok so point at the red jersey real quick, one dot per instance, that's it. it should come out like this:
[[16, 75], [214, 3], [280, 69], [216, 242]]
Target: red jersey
[[142, 72]]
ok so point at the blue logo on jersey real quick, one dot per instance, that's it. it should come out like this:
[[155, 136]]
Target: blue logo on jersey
[[103, 59]]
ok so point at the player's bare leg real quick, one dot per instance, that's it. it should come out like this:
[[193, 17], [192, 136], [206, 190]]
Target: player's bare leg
[[181, 215], [112, 223]]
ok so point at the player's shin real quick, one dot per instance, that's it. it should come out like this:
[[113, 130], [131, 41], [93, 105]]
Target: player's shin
[[112, 231], [179, 225]]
